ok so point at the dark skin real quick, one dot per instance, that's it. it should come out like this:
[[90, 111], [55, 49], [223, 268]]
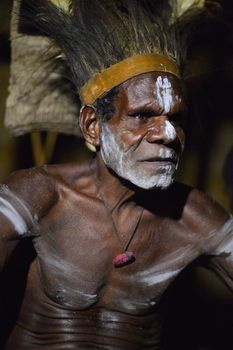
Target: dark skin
[[75, 298]]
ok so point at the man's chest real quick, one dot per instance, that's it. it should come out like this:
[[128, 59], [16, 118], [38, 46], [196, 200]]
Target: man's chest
[[78, 243]]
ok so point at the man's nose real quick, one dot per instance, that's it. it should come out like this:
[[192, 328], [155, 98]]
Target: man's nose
[[161, 130]]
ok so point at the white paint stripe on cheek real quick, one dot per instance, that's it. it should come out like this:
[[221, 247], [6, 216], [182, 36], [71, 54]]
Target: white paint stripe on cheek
[[170, 131], [13, 216]]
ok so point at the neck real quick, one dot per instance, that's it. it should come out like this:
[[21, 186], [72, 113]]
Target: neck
[[113, 188]]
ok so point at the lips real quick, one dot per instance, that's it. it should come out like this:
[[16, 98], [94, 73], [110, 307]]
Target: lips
[[160, 159]]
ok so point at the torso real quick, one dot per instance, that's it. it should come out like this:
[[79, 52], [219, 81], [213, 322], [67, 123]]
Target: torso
[[75, 297]]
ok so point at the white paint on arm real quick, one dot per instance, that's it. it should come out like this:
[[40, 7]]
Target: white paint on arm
[[13, 216], [225, 239], [16, 212]]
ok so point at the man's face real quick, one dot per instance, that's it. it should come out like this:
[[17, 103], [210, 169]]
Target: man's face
[[142, 142]]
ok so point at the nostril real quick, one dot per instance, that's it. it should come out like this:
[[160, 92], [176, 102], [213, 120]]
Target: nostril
[[152, 136]]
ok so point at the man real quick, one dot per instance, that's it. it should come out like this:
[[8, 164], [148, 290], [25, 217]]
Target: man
[[112, 234]]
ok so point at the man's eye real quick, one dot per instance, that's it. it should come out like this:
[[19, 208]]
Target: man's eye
[[141, 117]]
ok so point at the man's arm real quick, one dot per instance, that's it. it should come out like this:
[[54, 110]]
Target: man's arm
[[25, 198], [213, 232], [220, 259]]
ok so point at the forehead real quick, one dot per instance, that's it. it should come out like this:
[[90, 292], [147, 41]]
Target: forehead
[[149, 87]]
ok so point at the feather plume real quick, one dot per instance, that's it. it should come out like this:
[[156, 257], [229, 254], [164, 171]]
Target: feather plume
[[183, 6], [88, 36], [66, 5], [97, 34]]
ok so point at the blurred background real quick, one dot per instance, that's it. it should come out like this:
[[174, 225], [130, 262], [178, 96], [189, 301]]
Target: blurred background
[[200, 306]]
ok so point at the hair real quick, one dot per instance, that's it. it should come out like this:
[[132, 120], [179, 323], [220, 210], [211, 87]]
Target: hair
[[92, 35], [105, 104]]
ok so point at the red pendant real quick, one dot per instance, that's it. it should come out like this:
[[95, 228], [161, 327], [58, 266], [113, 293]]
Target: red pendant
[[123, 259]]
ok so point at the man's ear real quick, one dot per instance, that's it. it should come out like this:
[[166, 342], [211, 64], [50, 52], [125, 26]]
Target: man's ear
[[90, 125]]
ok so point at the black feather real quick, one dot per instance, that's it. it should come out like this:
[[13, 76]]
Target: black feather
[[99, 33]]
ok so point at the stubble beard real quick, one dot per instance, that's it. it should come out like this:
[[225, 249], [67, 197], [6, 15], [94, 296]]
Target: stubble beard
[[118, 158]]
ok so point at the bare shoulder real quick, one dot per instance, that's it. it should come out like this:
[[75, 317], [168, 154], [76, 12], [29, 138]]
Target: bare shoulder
[[202, 213], [34, 187], [72, 176], [68, 172]]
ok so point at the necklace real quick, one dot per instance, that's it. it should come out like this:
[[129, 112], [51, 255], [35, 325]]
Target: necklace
[[125, 257]]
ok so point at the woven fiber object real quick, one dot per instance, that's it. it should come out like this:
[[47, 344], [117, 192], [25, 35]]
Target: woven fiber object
[[39, 96]]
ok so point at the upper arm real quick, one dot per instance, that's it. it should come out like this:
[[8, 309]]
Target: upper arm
[[220, 256], [25, 197], [213, 228], [204, 215]]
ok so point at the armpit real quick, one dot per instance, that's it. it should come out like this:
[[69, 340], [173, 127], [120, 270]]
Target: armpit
[[15, 211]]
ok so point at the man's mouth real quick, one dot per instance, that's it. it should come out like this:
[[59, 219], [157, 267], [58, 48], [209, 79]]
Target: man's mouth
[[172, 160]]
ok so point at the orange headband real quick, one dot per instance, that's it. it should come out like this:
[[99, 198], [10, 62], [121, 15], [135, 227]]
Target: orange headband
[[113, 76]]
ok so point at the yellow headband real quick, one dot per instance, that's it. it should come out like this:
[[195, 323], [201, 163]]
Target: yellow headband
[[124, 70]]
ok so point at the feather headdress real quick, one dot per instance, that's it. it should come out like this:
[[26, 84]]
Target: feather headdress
[[92, 38]]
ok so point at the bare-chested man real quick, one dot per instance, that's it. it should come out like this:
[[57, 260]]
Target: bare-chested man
[[113, 233]]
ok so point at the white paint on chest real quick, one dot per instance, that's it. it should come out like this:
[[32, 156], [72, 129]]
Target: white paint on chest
[[166, 269], [153, 281], [13, 216], [157, 278], [12, 208], [65, 281]]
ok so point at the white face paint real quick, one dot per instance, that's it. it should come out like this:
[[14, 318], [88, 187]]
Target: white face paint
[[170, 131], [165, 93], [125, 163], [14, 210]]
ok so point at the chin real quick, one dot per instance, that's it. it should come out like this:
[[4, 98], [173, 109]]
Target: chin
[[160, 182]]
